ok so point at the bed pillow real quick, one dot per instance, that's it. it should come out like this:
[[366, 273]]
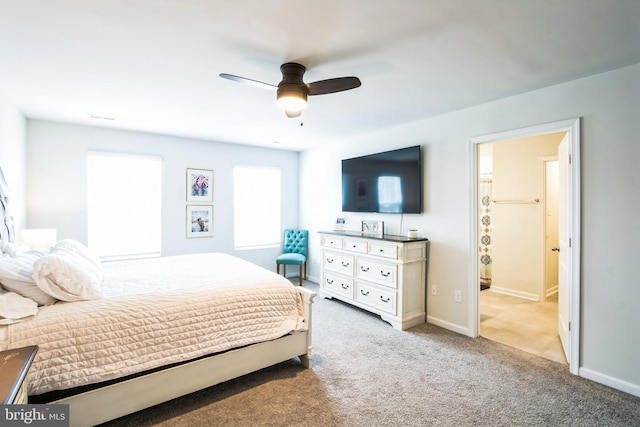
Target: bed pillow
[[12, 248], [15, 308], [79, 248], [69, 275], [16, 275]]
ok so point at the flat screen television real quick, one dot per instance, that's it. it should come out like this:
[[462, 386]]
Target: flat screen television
[[388, 182]]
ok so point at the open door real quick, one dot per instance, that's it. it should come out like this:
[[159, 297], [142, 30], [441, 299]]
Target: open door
[[550, 284], [564, 259]]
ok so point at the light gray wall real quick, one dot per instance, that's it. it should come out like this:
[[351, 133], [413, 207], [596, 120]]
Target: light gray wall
[[57, 191], [609, 105], [13, 143]]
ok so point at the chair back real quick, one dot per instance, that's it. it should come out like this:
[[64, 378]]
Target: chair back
[[295, 241]]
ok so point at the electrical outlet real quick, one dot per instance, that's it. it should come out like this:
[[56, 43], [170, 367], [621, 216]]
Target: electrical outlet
[[434, 290], [458, 296]]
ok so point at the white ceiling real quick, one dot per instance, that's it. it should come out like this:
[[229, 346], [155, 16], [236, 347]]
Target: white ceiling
[[153, 65]]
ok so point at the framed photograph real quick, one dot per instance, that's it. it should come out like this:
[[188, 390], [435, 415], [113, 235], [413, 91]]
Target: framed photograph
[[373, 227], [200, 185], [341, 224], [199, 221]]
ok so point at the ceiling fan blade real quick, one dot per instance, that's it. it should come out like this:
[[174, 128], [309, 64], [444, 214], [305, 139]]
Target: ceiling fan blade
[[248, 81], [322, 87], [292, 114]]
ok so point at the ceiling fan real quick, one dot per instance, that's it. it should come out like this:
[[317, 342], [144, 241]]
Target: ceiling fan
[[292, 91]]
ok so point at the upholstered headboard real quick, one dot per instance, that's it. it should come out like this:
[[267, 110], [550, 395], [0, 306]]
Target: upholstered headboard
[[7, 232]]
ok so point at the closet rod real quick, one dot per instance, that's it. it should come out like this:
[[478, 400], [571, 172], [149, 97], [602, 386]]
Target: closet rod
[[516, 201]]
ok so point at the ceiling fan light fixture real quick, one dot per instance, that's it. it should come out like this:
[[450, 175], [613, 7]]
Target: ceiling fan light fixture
[[292, 91], [292, 100]]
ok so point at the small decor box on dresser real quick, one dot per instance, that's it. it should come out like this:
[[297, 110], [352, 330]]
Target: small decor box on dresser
[[384, 274]]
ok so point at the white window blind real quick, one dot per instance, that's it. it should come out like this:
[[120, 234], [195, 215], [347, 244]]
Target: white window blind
[[256, 206], [124, 205]]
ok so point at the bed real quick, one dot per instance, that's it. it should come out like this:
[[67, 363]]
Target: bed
[[160, 328]]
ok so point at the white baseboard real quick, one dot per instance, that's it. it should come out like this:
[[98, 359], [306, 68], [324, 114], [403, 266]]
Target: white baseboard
[[511, 292], [448, 325], [552, 291], [609, 381]]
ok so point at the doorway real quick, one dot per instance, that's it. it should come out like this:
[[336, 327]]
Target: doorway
[[523, 281], [518, 188]]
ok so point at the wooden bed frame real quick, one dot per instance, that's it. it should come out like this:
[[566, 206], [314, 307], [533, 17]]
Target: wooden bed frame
[[123, 398]]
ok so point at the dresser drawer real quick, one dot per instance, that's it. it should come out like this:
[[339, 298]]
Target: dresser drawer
[[331, 242], [383, 250], [338, 262], [338, 285], [377, 272], [359, 246], [377, 298]]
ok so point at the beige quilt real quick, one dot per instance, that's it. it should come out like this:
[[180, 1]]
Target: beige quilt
[[153, 313]]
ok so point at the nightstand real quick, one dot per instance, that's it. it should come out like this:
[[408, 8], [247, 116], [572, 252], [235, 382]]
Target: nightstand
[[14, 365]]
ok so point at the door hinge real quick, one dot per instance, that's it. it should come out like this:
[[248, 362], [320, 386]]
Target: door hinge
[[569, 326], [569, 241], [569, 158]]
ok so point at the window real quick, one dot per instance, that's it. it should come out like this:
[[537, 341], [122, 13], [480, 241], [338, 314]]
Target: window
[[124, 205], [256, 206]]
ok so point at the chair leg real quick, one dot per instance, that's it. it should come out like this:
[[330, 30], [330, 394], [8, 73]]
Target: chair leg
[[278, 268], [305, 270], [300, 274]]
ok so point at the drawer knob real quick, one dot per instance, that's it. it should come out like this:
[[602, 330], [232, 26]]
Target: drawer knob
[[385, 274], [330, 261], [329, 281], [365, 293], [345, 264], [365, 269], [345, 286], [383, 299], [381, 250]]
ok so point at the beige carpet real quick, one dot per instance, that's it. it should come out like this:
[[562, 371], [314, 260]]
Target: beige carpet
[[367, 374]]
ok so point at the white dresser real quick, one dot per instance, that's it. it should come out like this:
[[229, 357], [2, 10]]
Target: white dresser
[[385, 275]]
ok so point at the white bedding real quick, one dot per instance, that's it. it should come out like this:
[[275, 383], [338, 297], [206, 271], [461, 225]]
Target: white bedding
[[153, 313]]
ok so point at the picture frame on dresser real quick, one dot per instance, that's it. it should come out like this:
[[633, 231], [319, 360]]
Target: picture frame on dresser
[[340, 224], [373, 227]]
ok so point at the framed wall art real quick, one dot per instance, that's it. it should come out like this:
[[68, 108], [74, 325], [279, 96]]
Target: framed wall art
[[199, 221], [200, 185]]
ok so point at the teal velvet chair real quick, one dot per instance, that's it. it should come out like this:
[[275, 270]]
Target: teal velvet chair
[[294, 250]]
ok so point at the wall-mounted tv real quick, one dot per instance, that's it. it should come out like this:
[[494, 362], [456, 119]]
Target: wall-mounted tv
[[388, 182]]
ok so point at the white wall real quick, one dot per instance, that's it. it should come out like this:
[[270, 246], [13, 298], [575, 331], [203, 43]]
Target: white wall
[[609, 105], [57, 191], [13, 127]]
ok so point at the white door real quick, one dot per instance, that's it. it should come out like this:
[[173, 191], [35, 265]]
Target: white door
[[564, 288], [550, 228]]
